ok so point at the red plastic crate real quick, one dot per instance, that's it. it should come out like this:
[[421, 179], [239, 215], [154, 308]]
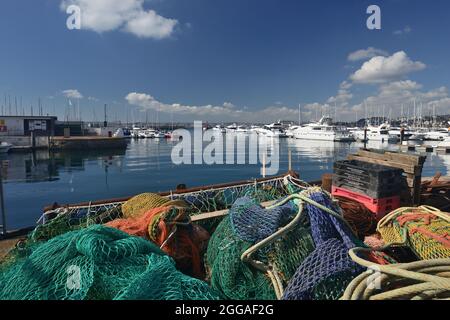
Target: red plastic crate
[[380, 207]]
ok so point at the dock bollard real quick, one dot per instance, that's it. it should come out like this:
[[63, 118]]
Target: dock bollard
[[327, 180]]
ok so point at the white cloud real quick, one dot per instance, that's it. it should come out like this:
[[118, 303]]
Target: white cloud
[[403, 31], [72, 94], [229, 105], [225, 112], [127, 15], [147, 101], [383, 69], [396, 94], [343, 96], [150, 25], [393, 92], [365, 54]]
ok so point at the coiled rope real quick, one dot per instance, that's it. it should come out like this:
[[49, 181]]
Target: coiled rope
[[424, 279]]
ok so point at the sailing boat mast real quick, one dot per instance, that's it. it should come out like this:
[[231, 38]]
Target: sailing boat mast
[[299, 114], [105, 123], [335, 112]]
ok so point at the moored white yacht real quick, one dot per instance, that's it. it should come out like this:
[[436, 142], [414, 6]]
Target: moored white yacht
[[445, 143], [135, 132], [397, 131], [324, 131], [437, 134], [417, 135], [159, 135], [241, 129], [219, 128], [231, 128], [5, 147], [254, 129], [277, 129], [147, 133], [290, 131], [273, 130], [380, 133]]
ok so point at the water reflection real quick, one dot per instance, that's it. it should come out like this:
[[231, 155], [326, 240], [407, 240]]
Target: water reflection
[[35, 180], [318, 150], [437, 162], [41, 166]]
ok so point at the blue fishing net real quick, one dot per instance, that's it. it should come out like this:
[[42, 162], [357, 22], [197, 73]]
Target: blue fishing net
[[328, 269], [253, 223]]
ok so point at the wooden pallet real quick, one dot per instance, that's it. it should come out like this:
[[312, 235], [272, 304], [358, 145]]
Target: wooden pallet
[[411, 165]]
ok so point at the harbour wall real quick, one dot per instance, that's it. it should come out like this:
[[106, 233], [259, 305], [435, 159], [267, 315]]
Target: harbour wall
[[87, 143]]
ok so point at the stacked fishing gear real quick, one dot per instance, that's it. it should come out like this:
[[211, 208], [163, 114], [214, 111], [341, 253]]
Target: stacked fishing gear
[[276, 239]]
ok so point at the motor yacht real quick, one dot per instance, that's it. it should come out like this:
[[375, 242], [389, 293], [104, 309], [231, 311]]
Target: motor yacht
[[323, 130]]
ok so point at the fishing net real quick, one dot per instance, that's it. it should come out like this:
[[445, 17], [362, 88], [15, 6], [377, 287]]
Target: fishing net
[[170, 228], [97, 263], [246, 225], [140, 204], [75, 219], [223, 198], [61, 220], [362, 221], [426, 231], [137, 226], [231, 277], [326, 272], [252, 223]]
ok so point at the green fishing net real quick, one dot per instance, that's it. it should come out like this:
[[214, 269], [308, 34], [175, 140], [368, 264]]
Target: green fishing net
[[74, 219], [231, 277], [239, 280], [96, 263]]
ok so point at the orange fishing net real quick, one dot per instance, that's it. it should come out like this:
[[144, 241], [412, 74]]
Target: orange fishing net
[[374, 241], [171, 229], [361, 220], [137, 226]]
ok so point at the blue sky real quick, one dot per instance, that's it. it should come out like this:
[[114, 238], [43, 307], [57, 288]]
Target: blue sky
[[226, 60]]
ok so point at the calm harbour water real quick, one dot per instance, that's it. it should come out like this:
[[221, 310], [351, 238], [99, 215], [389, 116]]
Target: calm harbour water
[[32, 181]]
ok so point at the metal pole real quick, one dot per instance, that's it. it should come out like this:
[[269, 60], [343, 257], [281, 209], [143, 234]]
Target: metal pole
[[2, 205], [289, 160], [365, 138]]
